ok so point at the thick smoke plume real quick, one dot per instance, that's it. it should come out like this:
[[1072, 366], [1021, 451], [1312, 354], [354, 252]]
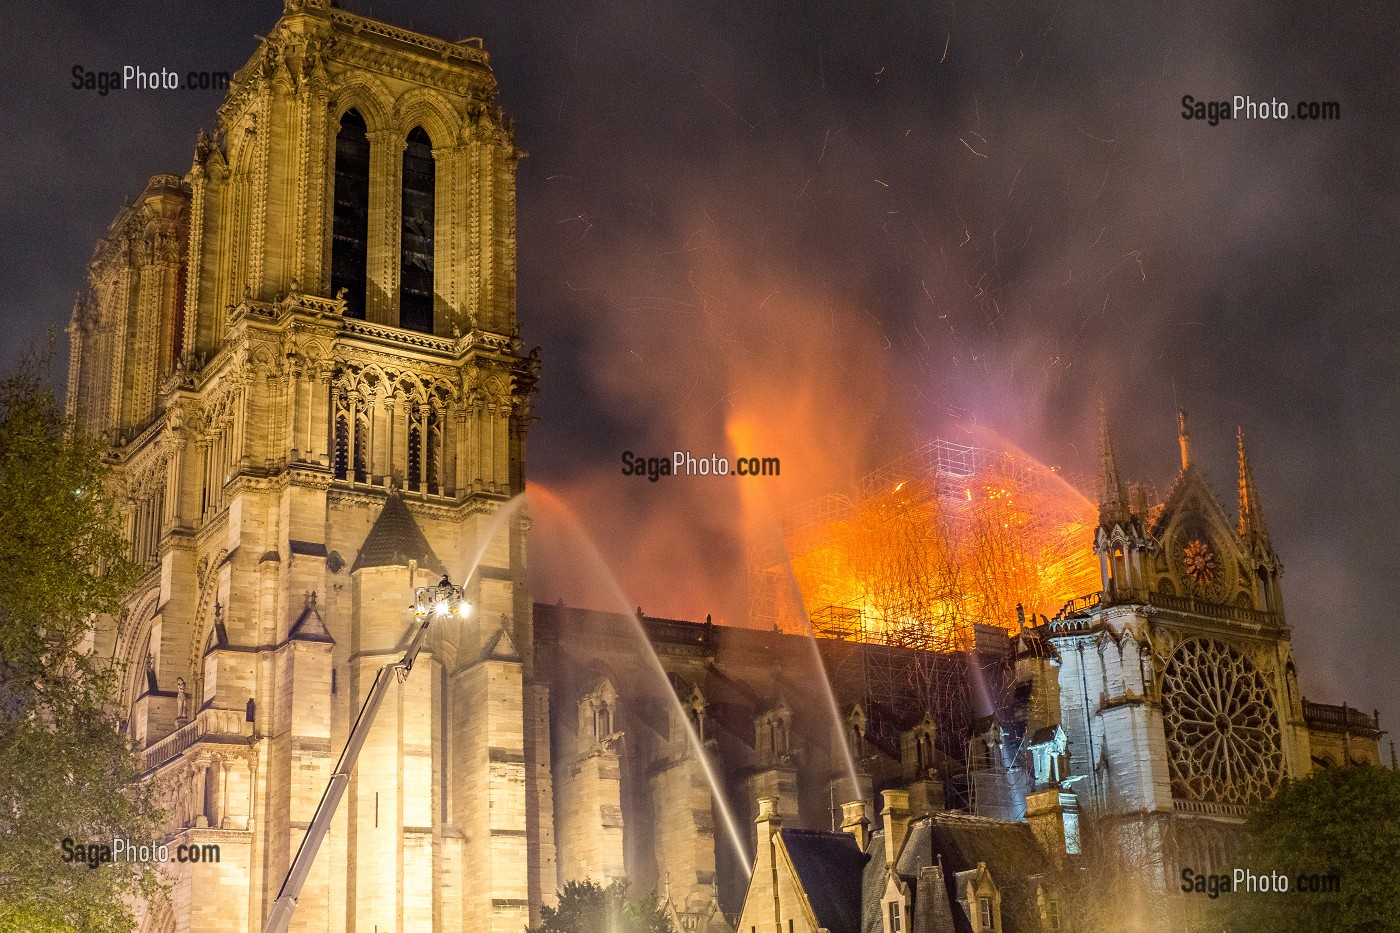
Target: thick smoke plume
[[844, 228]]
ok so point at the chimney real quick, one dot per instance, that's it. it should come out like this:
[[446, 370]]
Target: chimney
[[765, 857], [853, 821], [896, 814]]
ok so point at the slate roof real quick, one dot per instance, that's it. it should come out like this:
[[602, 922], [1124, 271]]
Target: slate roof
[[1010, 851], [310, 626], [873, 885], [932, 912], [829, 867], [396, 539]]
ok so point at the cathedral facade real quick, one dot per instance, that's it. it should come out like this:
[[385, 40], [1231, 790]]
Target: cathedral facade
[[304, 357]]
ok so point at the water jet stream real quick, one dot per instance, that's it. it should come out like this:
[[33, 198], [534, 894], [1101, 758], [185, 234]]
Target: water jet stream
[[541, 496], [774, 544], [488, 534]]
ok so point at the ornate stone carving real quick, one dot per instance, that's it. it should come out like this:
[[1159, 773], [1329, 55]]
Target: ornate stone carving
[[1223, 736]]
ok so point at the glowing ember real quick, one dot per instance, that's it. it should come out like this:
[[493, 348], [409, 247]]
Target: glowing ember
[[943, 539]]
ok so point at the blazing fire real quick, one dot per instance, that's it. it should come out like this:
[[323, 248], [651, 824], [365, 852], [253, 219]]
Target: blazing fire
[[942, 539]]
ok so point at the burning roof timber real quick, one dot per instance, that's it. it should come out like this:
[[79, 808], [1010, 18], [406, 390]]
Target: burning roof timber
[[942, 539]]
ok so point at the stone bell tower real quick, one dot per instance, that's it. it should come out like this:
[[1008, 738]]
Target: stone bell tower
[[304, 357]]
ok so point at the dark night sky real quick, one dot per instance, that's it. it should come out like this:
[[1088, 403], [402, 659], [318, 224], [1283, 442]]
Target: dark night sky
[[845, 226]]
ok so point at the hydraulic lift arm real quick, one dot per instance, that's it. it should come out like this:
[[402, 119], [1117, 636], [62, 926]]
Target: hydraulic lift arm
[[281, 915]]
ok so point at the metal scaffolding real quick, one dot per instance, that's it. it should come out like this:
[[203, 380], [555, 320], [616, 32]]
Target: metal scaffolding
[[937, 553]]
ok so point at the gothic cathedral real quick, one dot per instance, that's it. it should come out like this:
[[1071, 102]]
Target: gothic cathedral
[[305, 359], [303, 356]]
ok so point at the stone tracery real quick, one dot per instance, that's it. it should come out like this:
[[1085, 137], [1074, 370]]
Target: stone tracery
[[1222, 727]]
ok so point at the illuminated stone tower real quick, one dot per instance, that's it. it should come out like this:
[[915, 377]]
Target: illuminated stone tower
[[305, 358], [1177, 686]]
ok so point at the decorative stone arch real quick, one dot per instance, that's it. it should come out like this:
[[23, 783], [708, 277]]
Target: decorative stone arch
[[208, 580], [149, 477], [690, 703], [429, 109], [494, 390], [923, 739], [242, 144], [1204, 846], [133, 635], [409, 387], [363, 378], [263, 360], [441, 391], [375, 377], [313, 351], [160, 916], [237, 210], [598, 712], [220, 410], [368, 96], [856, 722], [773, 731]]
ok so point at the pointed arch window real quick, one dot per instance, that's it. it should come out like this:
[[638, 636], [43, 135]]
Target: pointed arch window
[[351, 437], [415, 450], [603, 722], [361, 447], [416, 241], [342, 443], [350, 224], [432, 471]]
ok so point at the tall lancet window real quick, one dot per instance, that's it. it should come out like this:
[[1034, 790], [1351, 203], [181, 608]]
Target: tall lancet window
[[416, 250], [350, 228]]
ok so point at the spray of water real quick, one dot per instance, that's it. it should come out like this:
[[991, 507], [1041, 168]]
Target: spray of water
[[542, 497], [506, 510], [774, 544]]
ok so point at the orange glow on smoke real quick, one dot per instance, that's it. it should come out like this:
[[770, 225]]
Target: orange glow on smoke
[[949, 537]]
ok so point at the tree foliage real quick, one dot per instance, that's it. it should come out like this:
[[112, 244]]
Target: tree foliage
[[65, 771], [588, 907], [1336, 821]]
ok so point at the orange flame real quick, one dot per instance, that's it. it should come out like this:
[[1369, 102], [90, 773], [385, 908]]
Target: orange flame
[[920, 562]]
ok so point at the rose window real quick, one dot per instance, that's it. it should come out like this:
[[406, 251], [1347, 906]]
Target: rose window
[[1203, 569], [1199, 561], [1223, 738]]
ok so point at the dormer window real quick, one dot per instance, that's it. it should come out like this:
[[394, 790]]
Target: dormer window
[[980, 899], [893, 915]]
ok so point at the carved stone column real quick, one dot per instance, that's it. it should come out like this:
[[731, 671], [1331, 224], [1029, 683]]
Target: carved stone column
[[382, 266]]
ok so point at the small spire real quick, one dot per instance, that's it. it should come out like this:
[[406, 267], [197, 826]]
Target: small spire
[[1252, 527], [1113, 501], [1183, 436]]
